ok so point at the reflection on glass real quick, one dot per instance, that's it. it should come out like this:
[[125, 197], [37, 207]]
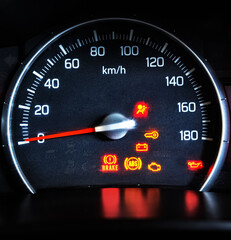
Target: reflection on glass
[[130, 202]]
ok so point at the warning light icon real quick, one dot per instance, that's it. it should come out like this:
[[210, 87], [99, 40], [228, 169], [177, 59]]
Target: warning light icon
[[195, 164], [109, 163], [152, 134], [141, 110], [141, 147], [154, 167], [132, 163]]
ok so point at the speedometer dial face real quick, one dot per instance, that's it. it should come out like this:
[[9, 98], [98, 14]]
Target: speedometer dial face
[[115, 102]]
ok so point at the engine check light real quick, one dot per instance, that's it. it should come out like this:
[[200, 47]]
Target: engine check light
[[154, 167]]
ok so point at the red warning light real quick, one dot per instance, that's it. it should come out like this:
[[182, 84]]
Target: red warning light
[[109, 163], [141, 110], [141, 147], [195, 165]]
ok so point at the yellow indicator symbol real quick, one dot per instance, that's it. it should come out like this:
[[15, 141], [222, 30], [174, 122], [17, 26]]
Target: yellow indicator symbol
[[132, 163], [153, 135], [154, 167]]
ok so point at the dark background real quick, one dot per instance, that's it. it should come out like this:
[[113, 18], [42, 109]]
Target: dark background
[[207, 30]]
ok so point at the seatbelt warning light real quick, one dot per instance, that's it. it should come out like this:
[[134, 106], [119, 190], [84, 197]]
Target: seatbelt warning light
[[109, 163]]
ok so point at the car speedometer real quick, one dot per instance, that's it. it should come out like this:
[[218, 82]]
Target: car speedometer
[[115, 102]]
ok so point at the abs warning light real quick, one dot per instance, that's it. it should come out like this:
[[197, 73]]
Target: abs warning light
[[109, 163], [133, 163], [195, 165], [141, 147]]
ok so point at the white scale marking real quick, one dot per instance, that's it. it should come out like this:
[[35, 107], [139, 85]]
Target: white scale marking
[[131, 34], [79, 42], [23, 142], [30, 90], [177, 60], [95, 35], [51, 63], [38, 74], [164, 47], [62, 49], [207, 138], [205, 103], [24, 107], [190, 71], [23, 124], [148, 39]]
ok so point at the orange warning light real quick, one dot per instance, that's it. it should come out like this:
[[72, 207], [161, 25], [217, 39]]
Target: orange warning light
[[141, 110], [109, 163], [154, 167], [142, 147], [153, 135], [195, 164], [132, 163]]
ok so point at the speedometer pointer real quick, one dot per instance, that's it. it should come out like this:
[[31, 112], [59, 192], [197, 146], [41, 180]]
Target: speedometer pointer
[[120, 129]]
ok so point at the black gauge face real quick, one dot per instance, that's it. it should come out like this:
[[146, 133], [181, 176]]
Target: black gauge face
[[115, 102]]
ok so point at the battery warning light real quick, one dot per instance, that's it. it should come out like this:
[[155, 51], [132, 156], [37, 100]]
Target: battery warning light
[[195, 165], [141, 110], [141, 147]]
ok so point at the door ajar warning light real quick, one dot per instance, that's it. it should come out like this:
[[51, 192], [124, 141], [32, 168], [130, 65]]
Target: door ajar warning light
[[109, 163]]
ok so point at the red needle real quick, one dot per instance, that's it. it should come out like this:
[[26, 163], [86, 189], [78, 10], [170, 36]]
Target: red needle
[[128, 124], [63, 134]]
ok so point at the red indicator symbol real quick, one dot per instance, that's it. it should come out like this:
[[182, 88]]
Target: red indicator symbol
[[109, 163], [195, 165], [141, 110], [141, 147]]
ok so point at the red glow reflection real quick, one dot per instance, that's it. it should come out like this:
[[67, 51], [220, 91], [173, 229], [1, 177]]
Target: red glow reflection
[[110, 202], [130, 202], [191, 202]]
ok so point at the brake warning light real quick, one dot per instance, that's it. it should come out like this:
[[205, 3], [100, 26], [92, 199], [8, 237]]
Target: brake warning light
[[109, 163]]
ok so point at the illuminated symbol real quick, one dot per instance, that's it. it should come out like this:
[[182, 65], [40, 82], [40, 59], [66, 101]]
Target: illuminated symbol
[[132, 163], [153, 135], [154, 167], [141, 147], [195, 164], [109, 163], [141, 110]]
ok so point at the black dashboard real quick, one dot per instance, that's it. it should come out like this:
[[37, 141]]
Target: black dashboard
[[42, 188]]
